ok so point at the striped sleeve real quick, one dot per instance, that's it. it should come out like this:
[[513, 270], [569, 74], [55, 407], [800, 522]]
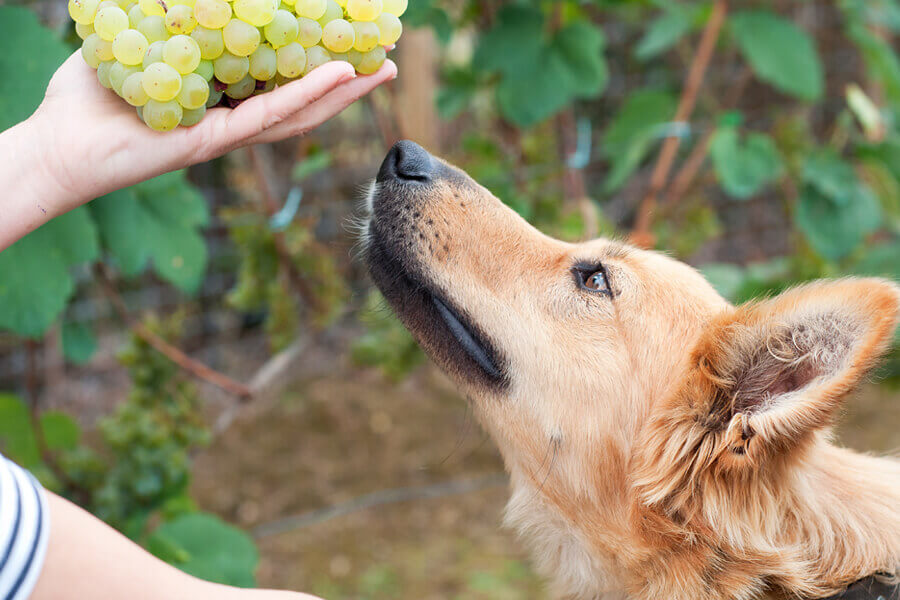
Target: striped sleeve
[[24, 525]]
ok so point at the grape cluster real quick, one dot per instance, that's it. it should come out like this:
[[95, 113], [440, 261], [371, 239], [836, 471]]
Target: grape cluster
[[174, 59]]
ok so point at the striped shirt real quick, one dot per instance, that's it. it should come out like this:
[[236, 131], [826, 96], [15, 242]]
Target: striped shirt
[[24, 525]]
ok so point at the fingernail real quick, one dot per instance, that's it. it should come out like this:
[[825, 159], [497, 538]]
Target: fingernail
[[348, 77]]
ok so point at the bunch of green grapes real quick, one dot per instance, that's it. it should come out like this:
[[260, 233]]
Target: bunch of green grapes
[[174, 59]]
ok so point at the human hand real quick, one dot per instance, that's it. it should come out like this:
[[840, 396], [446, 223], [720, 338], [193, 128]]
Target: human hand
[[90, 142]]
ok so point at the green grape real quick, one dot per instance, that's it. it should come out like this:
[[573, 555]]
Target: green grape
[[310, 32], [106, 4], [153, 8], [182, 53], [205, 70], [191, 117], [241, 38], [242, 89], [316, 57], [338, 36], [390, 28], [194, 91], [103, 74], [291, 60], [180, 20], [84, 31], [283, 29], [288, 4], [210, 41], [118, 73], [364, 10], [333, 11], [133, 90], [372, 60], [341, 56], [96, 50], [215, 95], [110, 22], [162, 82], [230, 68], [129, 47], [366, 35], [125, 5], [263, 63], [162, 116], [311, 9], [258, 13], [354, 57], [154, 54], [83, 11], [395, 7], [154, 29], [135, 16], [212, 14]]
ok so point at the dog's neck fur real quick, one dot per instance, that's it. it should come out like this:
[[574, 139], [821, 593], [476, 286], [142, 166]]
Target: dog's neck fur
[[831, 522]]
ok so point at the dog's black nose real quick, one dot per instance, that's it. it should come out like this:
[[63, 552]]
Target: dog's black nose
[[407, 160]]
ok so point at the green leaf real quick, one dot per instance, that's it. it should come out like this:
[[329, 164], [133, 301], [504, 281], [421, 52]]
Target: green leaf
[[633, 132], [726, 278], [35, 284], [744, 169], [578, 49], [664, 32], [311, 165], [204, 546], [78, 342], [514, 45], [159, 221], [29, 55], [835, 230], [17, 439], [831, 176], [460, 86], [881, 61], [881, 261], [779, 52]]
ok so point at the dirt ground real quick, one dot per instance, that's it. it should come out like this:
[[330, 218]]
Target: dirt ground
[[353, 432]]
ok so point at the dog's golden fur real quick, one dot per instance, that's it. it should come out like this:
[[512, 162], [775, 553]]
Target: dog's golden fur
[[662, 444]]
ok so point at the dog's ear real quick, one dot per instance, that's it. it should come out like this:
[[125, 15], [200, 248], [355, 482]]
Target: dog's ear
[[771, 373]]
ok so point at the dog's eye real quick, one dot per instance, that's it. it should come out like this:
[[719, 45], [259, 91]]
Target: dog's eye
[[594, 280]]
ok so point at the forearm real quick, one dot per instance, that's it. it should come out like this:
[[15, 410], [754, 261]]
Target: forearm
[[30, 195], [88, 560]]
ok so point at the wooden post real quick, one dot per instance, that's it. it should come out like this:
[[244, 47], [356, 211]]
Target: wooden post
[[416, 87]]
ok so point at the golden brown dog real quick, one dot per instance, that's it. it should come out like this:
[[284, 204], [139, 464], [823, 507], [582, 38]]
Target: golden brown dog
[[661, 443]]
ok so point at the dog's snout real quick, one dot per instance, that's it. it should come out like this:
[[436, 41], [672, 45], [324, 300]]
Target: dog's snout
[[407, 161]]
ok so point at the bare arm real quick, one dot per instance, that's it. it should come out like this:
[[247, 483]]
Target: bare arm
[[88, 560], [84, 142]]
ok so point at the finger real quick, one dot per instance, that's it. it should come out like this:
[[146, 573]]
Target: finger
[[228, 130], [328, 106]]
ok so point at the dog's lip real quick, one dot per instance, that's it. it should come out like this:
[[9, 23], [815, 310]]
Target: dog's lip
[[467, 339]]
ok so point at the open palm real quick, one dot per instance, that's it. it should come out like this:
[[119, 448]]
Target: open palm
[[95, 143]]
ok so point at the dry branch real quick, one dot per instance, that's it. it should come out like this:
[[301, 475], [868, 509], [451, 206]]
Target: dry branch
[[641, 235], [379, 498]]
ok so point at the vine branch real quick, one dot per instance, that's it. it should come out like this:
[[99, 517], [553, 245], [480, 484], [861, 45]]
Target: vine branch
[[641, 235], [173, 353]]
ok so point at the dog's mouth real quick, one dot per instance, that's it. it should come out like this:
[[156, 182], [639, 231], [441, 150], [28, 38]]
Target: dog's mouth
[[451, 337]]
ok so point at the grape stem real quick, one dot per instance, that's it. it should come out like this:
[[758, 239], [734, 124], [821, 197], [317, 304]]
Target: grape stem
[[176, 355], [641, 235]]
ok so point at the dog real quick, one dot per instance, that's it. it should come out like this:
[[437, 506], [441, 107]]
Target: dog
[[661, 443]]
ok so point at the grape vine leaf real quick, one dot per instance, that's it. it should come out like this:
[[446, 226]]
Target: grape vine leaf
[[29, 55], [541, 74], [78, 342], [779, 52], [832, 229], [17, 439], [204, 546], [664, 32], [743, 169], [35, 282], [156, 221], [633, 131]]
